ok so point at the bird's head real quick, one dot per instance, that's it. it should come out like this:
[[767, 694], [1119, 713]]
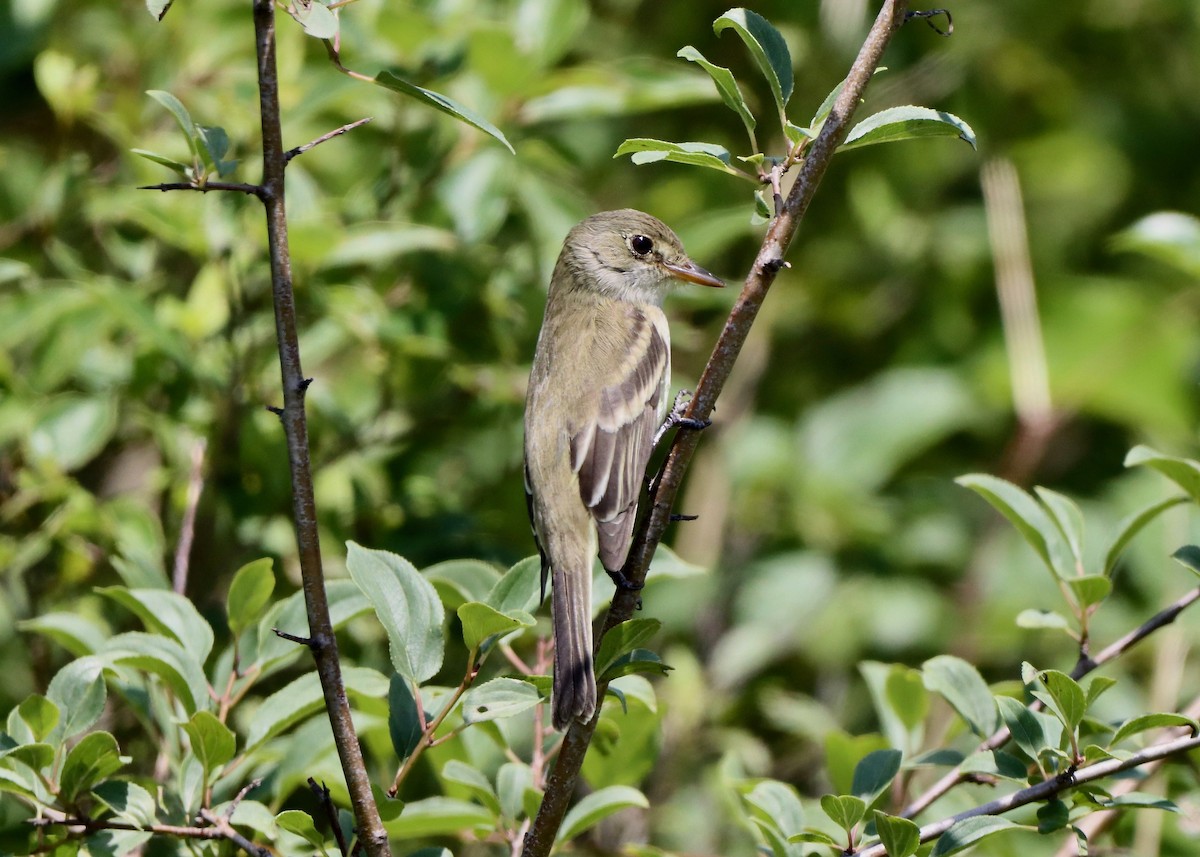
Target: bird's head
[[630, 255]]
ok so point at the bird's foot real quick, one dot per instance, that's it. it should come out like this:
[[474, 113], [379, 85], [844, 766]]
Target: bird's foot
[[676, 418]]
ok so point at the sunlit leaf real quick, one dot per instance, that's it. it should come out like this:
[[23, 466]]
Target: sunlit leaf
[[443, 103], [907, 123]]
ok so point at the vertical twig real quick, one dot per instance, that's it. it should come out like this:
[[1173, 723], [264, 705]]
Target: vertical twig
[[1017, 294], [187, 530], [321, 640], [561, 781]]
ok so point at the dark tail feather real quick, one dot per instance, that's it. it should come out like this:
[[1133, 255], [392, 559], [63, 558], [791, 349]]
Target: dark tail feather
[[574, 675]]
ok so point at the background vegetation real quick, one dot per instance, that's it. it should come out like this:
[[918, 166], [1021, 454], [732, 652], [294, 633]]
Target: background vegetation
[[136, 335]]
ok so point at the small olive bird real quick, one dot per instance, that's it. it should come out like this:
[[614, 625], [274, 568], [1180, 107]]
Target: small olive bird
[[597, 395]]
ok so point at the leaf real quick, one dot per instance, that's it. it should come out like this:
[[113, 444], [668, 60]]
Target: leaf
[[874, 773], [970, 831], [167, 614], [1163, 720], [778, 805], [727, 88], [40, 715], [513, 782], [1064, 697], [497, 699], [962, 686], [596, 807], [844, 810], [73, 429], [1053, 815], [407, 606], [1189, 557], [768, 48], [1130, 526], [345, 602], [1090, 589], [461, 580], [216, 145], [301, 824], [1034, 618], [474, 781], [184, 170], [906, 123], [249, 594], [1034, 732], [622, 639], [1026, 515], [518, 588], [129, 801], [1065, 513], [1184, 472], [404, 718], [709, 155], [1169, 236], [213, 743], [92, 760], [899, 836], [480, 622], [637, 661], [182, 117], [158, 8], [80, 635], [439, 816], [302, 697], [79, 691], [165, 658], [443, 103], [317, 19]]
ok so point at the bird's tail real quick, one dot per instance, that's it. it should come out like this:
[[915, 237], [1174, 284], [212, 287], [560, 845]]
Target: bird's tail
[[574, 675]]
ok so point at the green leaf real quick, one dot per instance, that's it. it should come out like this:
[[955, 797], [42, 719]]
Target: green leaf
[[777, 805], [38, 756], [443, 103], [1141, 800], [461, 580], [1026, 515], [497, 699], [127, 800], [1065, 513], [439, 816], [79, 635], [624, 638], [709, 155], [1053, 815], [1162, 720], [474, 781], [303, 697], [249, 594], [407, 606], [906, 123], [167, 614], [1097, 686], [727, 88], [1130, 526], [519, 588], [345, 602], [79, 691], [768, 48], [970, 831], [596, 807], [72, 430], [40, 715], [1090, 589], [165, 658], [301, 824], [404, 718], [317, 19], [637, 661], [92, 760], [513, 782], [1184, 472], [480, 621], [874, 773], [899, 836], [184, 170], [213, 743], [1034, 732], [182, 117], [962, 686], [844, 810], [1171, 237], [1189, 557], [1064, 697], [158, 8], [215, 142], [1034, 618]]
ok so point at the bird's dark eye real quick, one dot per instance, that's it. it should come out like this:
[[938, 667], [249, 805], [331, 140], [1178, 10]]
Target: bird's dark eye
[[641, 245]]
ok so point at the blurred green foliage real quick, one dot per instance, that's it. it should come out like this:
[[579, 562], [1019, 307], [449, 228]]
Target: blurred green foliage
[[134, 324]]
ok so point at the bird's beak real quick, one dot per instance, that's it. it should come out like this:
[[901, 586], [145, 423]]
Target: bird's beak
[[693, 273]]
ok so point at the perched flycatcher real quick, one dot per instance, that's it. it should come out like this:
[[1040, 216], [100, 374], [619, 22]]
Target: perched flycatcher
[[597, 394]]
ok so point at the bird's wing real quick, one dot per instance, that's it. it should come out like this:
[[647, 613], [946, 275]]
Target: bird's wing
[[610, 453]]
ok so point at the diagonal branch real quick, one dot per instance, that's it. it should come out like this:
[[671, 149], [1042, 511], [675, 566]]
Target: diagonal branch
[[561, 782]]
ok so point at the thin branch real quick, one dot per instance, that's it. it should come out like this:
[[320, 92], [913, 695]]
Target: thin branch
[[1084, 666], [300, 150], [236, 187], [219, 829], [322, 640], [561, 782], [321, 793], [187, 530], [227, 831], [427, 739], [1049, 788]]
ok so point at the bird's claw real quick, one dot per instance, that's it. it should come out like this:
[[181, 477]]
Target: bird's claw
[[624, 582]]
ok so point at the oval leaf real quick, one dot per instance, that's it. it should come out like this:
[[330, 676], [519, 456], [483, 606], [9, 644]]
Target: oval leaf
[[768, 48], [497, 699], [249, 593], [969, 831], [213, 743], [727, 88], [480, 621], [443, 103], [598, 806], [907, 123], [1184, 472], [965, 690], [900, 837]]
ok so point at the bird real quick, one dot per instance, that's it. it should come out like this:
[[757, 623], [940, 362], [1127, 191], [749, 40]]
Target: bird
[[597, 395]]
